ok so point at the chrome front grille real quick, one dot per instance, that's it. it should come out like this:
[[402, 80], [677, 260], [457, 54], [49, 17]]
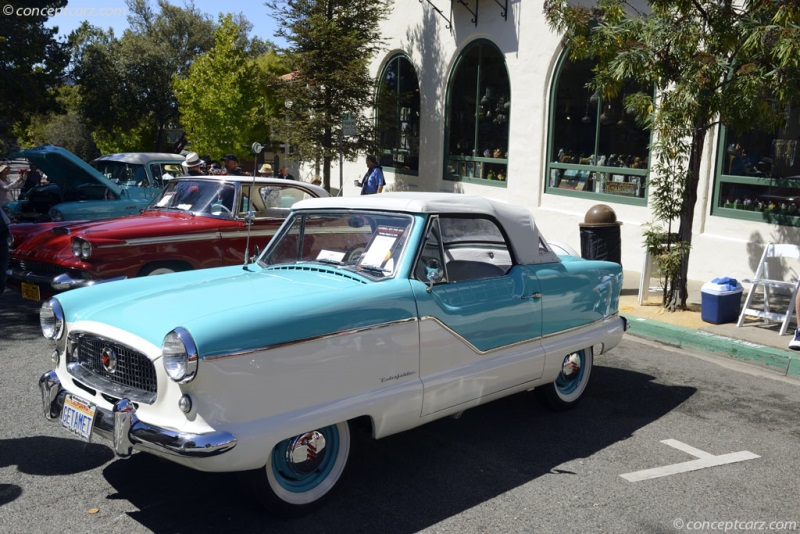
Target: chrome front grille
[[36, 267], [111, 368]]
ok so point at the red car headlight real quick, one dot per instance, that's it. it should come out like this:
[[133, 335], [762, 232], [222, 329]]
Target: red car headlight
[[81, 248]]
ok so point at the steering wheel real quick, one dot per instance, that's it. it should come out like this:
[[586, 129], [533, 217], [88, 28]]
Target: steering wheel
[[220, 209]]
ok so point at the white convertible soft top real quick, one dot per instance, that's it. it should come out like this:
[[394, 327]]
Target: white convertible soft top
[[517, 221]]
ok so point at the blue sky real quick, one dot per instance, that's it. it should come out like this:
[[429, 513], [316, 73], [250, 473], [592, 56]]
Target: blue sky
[[113, 14]]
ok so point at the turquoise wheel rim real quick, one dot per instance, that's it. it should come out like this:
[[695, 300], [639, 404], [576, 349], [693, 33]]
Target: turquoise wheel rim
[[314, 471]]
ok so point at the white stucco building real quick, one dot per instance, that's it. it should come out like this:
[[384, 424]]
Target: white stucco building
[[476, 96]]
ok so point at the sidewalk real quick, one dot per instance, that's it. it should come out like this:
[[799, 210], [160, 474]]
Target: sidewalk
[[754, 342]]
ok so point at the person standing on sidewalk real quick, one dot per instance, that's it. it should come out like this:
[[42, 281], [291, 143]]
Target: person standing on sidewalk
[[373, 179]]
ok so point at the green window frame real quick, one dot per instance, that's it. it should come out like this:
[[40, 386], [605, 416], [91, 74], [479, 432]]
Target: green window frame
[[595, 148], [757, 176], [397, 116], [478, 116]]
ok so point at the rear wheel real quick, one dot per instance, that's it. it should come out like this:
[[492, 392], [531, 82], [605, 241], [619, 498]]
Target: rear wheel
[[567, 390], [303, 470]]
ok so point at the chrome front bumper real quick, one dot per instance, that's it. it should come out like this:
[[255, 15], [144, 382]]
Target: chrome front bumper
[[126, 432], [61, 282]]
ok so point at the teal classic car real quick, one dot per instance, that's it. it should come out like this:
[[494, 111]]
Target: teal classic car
[[378, 313], [110, 186]]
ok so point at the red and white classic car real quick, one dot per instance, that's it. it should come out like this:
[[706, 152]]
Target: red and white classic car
[[194, 223]]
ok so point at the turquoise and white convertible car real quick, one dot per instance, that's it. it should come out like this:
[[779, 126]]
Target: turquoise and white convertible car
[[380, 312]]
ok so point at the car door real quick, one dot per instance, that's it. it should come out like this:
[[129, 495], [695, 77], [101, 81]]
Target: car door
[[480, 316]]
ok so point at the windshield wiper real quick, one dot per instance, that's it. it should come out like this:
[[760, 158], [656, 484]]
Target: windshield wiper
[[374, 269]]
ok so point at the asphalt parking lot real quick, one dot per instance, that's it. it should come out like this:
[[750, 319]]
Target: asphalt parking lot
[[510, 466]]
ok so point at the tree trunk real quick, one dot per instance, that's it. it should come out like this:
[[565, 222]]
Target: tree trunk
[[326, 173], [326, 159], [680, 291], [160, 138]]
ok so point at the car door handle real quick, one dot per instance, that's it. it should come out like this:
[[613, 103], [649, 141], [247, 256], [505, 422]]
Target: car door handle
[[532, 296]]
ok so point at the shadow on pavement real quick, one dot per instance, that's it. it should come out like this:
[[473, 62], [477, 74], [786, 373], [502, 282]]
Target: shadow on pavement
[[413, 480], [48, 456], [19, 318]]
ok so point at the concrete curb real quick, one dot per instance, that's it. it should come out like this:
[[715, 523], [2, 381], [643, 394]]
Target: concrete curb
[[784, 362]]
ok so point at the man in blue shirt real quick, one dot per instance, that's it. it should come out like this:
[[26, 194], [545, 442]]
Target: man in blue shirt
[[373, 180]]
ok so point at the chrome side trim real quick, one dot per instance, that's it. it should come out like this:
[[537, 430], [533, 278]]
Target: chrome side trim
[[472, 347], [163, 239], [310, 339], [243, 233], [517, 343], [412, 319], [188, 238], [126, 432]]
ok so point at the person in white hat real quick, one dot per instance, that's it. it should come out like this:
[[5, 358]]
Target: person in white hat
[[7, 186], [266, 170], [192, 164]]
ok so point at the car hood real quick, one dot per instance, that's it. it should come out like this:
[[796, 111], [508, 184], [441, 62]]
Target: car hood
[[229, 310], [64, 168], [146, 224]]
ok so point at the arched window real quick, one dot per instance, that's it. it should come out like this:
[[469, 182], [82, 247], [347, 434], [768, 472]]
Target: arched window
[[595, 147], [398, 115], [478, 107], [758, 173]]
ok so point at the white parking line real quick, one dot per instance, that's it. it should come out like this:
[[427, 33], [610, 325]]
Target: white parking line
[[704, 459]]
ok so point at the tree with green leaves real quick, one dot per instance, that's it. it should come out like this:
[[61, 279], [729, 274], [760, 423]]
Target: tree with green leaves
[[32, 61], [331, 43], [223, 100], [126, 83], [64, 127], [710, 62]]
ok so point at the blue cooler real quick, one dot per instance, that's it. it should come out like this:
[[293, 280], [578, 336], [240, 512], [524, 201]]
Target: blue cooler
[[721, 300]]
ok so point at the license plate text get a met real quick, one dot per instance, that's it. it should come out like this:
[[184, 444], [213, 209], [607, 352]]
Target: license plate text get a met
[[78, 417]]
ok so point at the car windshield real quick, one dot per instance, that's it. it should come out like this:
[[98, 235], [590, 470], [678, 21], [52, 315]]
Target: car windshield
[[122, 173], [197, 196], [366, 242]]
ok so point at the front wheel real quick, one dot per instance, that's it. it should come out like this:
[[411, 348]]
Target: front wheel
[[154, 269], [303, 470], [566, 391]]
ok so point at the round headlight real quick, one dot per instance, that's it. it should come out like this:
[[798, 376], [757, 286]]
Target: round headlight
[[10, 241], [180, 355], [56, 216], [81, 249], [51, 317]]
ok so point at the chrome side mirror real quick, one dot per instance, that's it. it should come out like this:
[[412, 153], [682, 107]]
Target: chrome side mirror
[[433, 272], [249, 218]]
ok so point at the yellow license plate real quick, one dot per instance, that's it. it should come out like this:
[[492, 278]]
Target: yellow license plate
[[31, 292]]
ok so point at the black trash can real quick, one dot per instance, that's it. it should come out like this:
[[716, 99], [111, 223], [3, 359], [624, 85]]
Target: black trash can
[[600, 235]]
